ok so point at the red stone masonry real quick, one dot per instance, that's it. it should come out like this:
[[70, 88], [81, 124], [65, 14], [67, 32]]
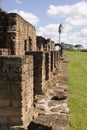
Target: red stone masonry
[[27, 63], [16, 91], [16, 34]]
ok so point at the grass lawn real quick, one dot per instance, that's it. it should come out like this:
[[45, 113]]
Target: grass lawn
[[77, 100]]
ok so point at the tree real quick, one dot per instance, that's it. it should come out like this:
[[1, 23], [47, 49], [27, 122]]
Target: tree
[[60, 28], [78, 46]]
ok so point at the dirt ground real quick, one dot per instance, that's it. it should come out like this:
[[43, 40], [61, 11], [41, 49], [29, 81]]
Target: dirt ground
[[51, 110]]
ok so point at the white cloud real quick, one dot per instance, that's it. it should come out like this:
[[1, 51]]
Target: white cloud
[[51, 31], [58, 10], [67, 36], [18, 1], [74, 19], [84, 32], [67, 28], [31, 18], [75, 14]]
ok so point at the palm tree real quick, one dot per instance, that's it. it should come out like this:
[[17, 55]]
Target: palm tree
[[59, 31]]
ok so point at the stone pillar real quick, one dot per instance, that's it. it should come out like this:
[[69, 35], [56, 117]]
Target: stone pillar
[[48, 65], [39, 71], [16, 91], [56, 58], [52, 61], [27, 90]]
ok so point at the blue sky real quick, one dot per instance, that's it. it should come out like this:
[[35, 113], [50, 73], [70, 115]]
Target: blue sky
[[46, 15]]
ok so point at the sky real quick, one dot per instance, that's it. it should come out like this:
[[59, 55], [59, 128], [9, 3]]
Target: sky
[[47, 15]]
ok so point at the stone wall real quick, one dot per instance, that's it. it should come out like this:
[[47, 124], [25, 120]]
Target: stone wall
[[16, 34], [27, 89], [3, 29], [56, 58], [4, 52], [52, 61], [43, 68], [25, 74], [44, 44], [50, 45], [39, 71], [16, 91], [48, 65], [41, 43], [21, 78]]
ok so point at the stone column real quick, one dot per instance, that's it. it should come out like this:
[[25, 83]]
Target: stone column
[[48, 65], [16, 92], [52, 61], [56, 58], [39, 71]]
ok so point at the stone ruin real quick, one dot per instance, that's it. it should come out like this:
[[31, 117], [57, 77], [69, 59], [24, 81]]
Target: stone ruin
[[27, 63]]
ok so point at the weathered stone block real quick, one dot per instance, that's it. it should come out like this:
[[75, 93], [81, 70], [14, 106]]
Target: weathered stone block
[[17, 128], [15, 121], [10, 111], [16, 104], [39, 70], [16, 93], [3, 120], [4, 103]]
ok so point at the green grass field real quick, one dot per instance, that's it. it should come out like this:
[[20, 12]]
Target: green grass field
[[77, 100]]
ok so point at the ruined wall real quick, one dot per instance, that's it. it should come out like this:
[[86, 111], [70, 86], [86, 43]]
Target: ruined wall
[[16, 91], [5, 52], [56, 58], [43, 69], [50, 45], [21, 78], [24, 75], [52, 61], [16, 34], [3, 29], [44, 44], [39, 71], [40, 41], [48, 65], [52, 48]]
